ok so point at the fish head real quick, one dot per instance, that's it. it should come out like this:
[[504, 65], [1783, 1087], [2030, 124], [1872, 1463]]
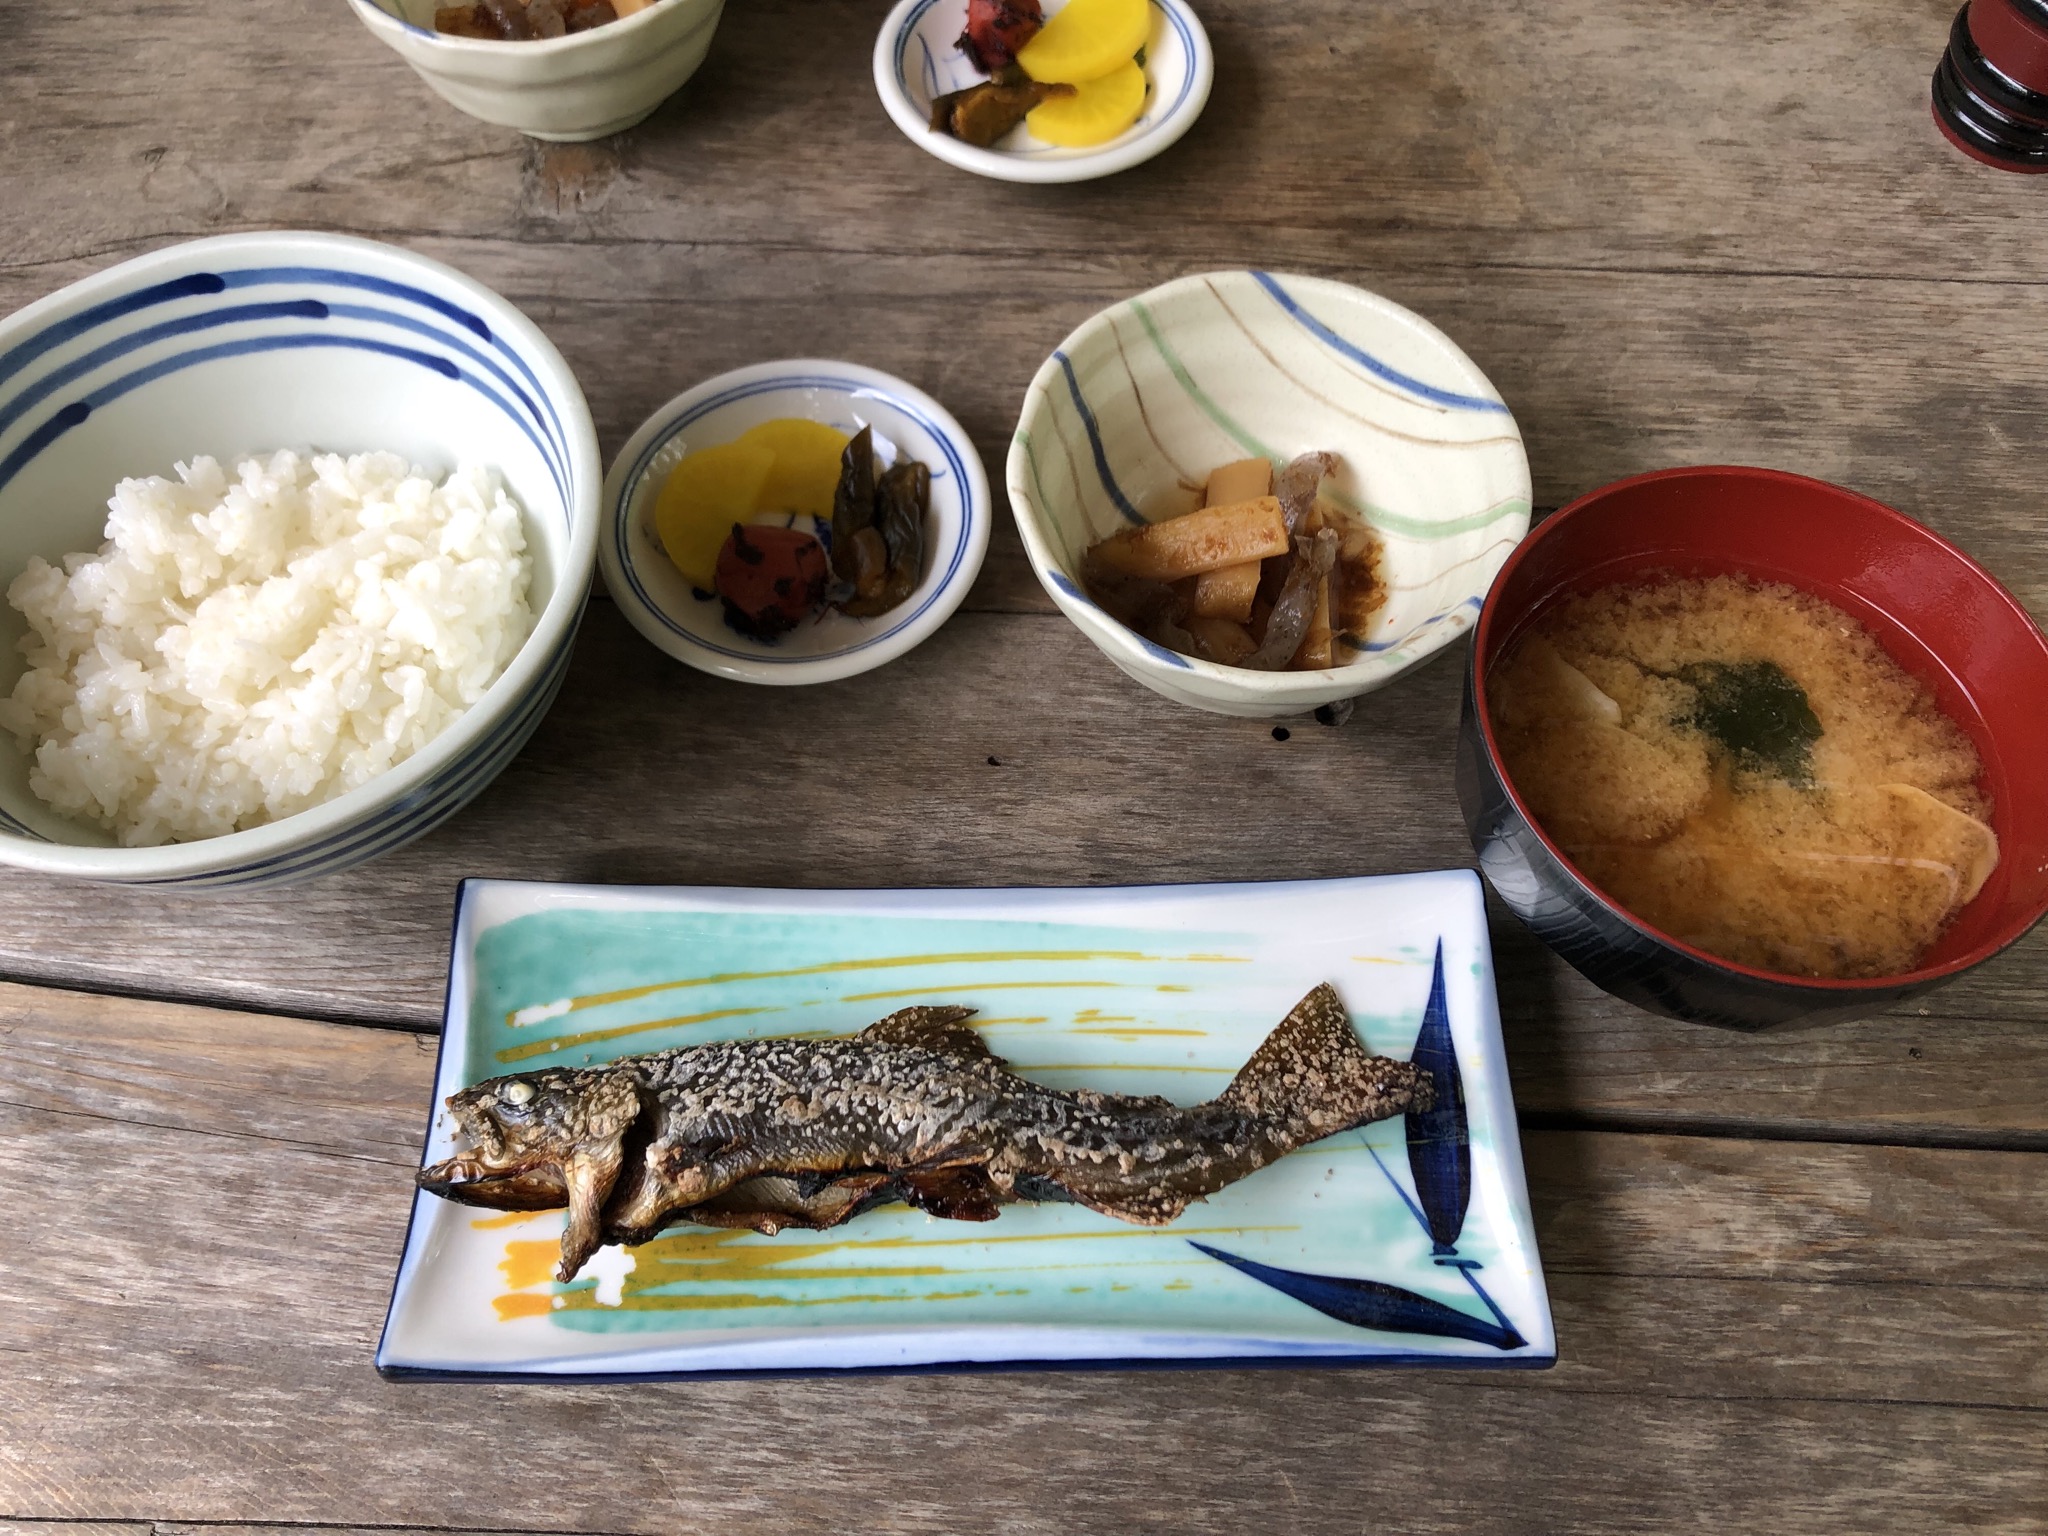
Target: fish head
[[539, 1141]]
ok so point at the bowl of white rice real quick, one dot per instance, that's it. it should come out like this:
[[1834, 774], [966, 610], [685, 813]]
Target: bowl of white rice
[[295, 531]]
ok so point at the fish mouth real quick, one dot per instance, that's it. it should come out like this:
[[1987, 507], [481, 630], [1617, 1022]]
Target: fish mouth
[[536, 1184]]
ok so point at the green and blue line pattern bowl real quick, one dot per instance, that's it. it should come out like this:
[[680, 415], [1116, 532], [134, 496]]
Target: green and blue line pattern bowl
[[1405, 1242], [1127, 417]]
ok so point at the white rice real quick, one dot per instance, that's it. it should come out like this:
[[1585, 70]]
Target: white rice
[[245, 648]]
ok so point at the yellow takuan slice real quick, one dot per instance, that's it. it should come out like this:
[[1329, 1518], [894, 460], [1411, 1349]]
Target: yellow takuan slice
[[705, 495], [806, 471], [1087, 40], [1096, 113]]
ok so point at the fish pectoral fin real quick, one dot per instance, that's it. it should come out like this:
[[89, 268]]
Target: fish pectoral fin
[[932, 1029], [589, 1177], [957, 1194]]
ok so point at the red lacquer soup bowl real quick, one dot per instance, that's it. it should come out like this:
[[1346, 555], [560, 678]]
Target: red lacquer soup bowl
[[1938, 613]]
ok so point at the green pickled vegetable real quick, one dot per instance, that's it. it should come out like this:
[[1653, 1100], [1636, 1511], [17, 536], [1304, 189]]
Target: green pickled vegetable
[[853, 503]]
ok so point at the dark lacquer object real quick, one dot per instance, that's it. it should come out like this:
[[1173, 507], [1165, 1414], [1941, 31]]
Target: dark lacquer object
[[1991, 88], [1938, 613]]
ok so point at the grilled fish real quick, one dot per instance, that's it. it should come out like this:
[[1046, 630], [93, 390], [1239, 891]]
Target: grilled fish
[[809, 1133]]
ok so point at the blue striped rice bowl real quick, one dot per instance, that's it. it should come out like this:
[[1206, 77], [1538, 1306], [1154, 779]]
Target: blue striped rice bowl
[[249, 343], [1139, 404]]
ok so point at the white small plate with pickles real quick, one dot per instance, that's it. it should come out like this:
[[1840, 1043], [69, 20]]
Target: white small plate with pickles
[[689, 623], [918, 59]]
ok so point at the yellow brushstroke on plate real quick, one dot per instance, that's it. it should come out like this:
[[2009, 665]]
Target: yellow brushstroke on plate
[[580, 1301], [880, 963], [1097, 1016], [949, 988], [516, 1306], [710, 1257], [1383, 960], [532, 1048], [507, 1219]]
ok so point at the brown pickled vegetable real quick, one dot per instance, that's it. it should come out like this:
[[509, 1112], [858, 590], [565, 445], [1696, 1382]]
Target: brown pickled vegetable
[[853, 504], [877, 530], [982, 114]]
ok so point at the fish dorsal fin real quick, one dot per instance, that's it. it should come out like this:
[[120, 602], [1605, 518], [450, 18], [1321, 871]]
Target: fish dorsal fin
[[931, 1029]]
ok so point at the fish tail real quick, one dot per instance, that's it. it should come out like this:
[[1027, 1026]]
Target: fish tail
[[1313, 1077]]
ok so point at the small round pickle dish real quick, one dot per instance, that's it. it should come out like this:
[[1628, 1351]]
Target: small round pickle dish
[[689, 623], [918, 59]]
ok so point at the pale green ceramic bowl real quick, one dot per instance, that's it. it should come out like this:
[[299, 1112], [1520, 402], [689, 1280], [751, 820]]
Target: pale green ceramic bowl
[[1128, 416]]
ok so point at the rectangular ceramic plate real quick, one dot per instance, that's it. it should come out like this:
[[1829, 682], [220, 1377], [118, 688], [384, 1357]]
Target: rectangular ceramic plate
[[1406, 1242]]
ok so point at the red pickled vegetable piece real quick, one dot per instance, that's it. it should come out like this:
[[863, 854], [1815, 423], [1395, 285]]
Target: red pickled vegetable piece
[[770, 579], [996, 29]]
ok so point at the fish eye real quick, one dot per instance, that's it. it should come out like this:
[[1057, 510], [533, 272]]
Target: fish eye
[[517, 1093]]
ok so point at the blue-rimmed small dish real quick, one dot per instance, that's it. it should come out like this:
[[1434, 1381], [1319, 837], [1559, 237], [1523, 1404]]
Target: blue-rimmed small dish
[[689, 624], [918, 59]]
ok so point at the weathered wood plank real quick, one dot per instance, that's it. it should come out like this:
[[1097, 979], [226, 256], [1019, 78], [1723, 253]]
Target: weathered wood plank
[[199, 1295], [1744, 136], [649, 772]]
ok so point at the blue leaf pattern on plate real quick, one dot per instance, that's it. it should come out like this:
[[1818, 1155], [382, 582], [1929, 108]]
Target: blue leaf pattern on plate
[[1370, 1304], [1439, 1142]]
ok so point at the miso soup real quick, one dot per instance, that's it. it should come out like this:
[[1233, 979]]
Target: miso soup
[[1742, 766]]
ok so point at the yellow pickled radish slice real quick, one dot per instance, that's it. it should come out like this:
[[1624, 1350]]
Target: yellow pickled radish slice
[[1096, 113], [704, 496], [806, 471], [1087, 40]]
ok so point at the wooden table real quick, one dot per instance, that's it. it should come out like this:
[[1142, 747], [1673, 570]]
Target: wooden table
[[1798, 1280]]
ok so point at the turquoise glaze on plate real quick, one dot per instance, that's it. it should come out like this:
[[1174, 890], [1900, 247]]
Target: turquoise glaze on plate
[[1359, 1247]]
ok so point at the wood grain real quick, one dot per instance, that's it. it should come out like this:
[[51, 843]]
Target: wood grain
[[1668, 233], [1746, 136], [649, 772], [1863, 1313]]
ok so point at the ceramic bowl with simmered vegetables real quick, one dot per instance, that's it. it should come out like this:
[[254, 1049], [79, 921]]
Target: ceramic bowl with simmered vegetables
[[557, 69], [1260, 494], [794, 522]]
